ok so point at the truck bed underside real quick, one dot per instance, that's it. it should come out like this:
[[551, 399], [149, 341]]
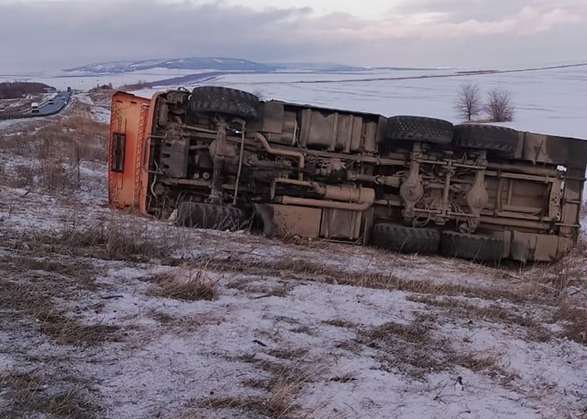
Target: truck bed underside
[[323, 173]]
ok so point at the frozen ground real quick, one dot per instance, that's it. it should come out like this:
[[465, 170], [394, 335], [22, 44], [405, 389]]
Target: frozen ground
[[109, 315]]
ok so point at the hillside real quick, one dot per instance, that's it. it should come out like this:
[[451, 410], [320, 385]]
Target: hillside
[[193, 63], [105, 314], [16, 90]]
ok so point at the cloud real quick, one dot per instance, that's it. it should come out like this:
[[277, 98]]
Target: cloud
[[66, 33]]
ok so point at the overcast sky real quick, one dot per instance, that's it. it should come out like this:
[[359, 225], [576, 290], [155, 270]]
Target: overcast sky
[[51, 34]]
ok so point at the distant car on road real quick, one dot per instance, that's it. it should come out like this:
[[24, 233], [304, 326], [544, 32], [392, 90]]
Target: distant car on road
[[34, 107]]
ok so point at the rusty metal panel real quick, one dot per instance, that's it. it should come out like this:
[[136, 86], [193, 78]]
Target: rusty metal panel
[[273, 113], [520, 147], [341, 224], [370, 137], [340, 132], [572, 199], [290, 220]]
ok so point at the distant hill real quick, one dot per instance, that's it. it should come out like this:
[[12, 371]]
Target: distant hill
[[208, 63], [194, 63], [21, 89], [315, 67]]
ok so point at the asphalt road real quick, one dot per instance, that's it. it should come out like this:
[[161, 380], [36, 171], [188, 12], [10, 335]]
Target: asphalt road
[[46, 108]]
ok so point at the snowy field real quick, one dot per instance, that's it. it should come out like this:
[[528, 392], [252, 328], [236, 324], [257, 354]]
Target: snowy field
[[547, 101], [110, 315]]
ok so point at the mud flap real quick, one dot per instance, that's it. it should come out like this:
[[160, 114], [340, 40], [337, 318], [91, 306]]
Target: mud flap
[[263, 217], [527, 247]]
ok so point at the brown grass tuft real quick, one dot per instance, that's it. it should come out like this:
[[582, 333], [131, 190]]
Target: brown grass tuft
[[574, 321], [414, 349], [340, 323], [283, 387], [28, 394], [493, 313], [197, 287]]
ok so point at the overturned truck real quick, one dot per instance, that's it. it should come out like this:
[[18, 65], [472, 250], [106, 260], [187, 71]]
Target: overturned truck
[[221, 158]]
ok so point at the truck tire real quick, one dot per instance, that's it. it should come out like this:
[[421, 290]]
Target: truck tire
[[486, 137], [226, 101], [418, 128], [209, 216], [405, 239], [470, 246]]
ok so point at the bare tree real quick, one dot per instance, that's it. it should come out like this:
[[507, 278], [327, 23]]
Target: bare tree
[[259, 93], [500, 106], [469, 103]]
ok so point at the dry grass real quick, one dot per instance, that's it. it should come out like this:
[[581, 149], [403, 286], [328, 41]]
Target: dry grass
[[415, 350], [460, 309], [411, 348], [264, 289], [574, 321], [194, 288], [288, 354], [318, 272], [66, 331], [30, 287], [284, 384], [56, 149], [338, 322], [117, 238], [28, 394]]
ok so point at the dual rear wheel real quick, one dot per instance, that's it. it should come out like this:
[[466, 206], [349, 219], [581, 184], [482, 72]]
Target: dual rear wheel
[[437, 131], [429, 241]]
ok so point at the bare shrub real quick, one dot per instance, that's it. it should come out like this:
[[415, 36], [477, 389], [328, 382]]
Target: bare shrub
[[469, 103], [499, 106], [56, 175], [260, 94], [59, 147]]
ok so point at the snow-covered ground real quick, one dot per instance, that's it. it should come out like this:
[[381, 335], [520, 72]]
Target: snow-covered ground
[[95, 321]]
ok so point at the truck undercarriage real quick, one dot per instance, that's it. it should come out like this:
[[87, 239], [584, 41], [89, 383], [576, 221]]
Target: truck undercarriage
[[221, 158]]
